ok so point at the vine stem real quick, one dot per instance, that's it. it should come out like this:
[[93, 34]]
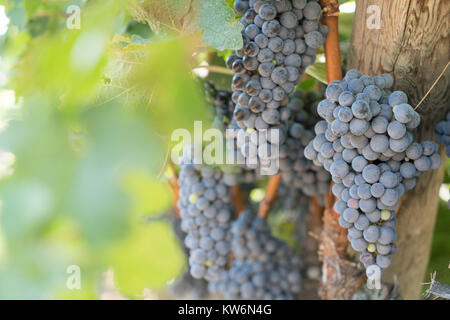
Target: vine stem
[[433, 85], [238, 198], [270, 197], [340, 278], [332, 51]]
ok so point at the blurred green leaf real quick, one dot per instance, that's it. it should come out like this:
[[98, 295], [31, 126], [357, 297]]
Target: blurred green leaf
[[307, 84], [43, 166], [149, 195], [140, 29], [31, 6], [447, 170], [23, 219], [149, 258], [345, 26], [38, 26], [17, 16], [70, 62], [118, 141], [38, 271], [164, 78]]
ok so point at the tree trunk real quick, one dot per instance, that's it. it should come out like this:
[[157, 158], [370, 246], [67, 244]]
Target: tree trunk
[[412, 44]]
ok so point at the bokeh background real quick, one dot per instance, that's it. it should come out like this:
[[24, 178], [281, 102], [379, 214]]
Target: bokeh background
[[86, 116]]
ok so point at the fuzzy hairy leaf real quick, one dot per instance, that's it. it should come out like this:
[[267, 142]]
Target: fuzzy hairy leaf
[[213, 17], [216, 19]]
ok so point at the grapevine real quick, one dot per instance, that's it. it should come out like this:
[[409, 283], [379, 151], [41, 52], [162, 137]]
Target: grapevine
[[364, 143], [224, 149]]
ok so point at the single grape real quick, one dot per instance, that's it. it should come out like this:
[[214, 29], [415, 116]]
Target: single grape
[[371, 173], [397, 98], [383, 261], [312, 10], [371, 234], [396, 129], [267, 11]]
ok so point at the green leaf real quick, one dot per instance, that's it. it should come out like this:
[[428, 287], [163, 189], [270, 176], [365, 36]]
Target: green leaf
[[17, 17], [174, 99], [148, 194], [216, 19], [39, 270], [37, 26], [40, 174], [307, 84], [164, 16], [149, 258], [447, 170], [97, 203], [213, 17], [21, 219], [318, 71], [31, 6], [117, 141], [69, 62], [230, 3], [345, 26]]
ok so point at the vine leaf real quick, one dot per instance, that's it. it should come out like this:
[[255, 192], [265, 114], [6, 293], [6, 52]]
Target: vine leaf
[[213, 17], [216, 19], [318, 71], [142, 255]]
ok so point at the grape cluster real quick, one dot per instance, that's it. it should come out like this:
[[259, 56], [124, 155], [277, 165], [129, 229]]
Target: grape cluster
[[206, 215], [263, 266], [367, 145], [280, 40], [222, 113], [443, 133], [296, 171], [289, 198], [300, 175], [185, 285]]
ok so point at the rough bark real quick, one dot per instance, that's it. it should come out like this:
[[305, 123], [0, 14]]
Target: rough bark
[[341, 277], [310, 251], [413, 45]]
